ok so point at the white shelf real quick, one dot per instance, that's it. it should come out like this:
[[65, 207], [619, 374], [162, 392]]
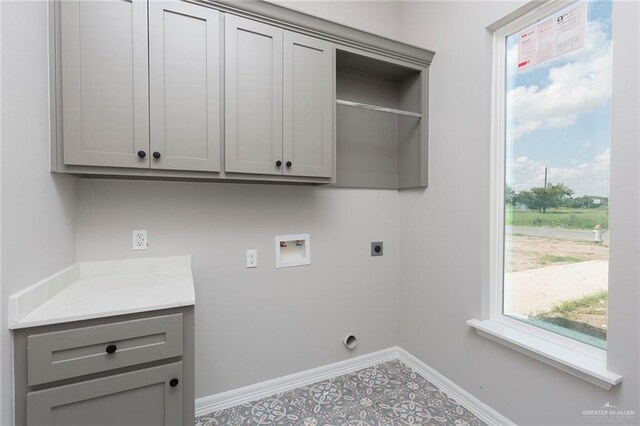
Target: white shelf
[[378, 108], [588, 364]]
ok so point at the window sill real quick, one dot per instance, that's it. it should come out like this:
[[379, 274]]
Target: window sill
[[586, 363]]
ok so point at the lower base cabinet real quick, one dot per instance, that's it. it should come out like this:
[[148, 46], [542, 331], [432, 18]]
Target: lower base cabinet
[[125, 370], [147, 397]]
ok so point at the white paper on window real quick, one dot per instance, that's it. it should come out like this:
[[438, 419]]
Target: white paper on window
[[560, 34]]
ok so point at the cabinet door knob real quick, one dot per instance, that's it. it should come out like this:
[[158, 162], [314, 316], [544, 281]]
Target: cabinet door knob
[[288, 163], [111, 349], [278, 163], [156, 155], [142, 154], [173, 382]]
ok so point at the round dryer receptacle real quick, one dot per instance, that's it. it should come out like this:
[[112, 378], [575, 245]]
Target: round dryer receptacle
[[350, 341]]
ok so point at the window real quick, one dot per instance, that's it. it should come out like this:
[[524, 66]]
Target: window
[[555, 138]]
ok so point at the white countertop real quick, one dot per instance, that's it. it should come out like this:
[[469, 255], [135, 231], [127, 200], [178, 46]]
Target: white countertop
[[89, 290]]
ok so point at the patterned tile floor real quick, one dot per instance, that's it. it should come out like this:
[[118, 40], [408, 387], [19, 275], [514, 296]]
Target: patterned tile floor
[[385, 394]]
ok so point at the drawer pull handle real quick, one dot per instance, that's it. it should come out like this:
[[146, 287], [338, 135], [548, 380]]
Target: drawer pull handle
[[111, 349], [173, 382]]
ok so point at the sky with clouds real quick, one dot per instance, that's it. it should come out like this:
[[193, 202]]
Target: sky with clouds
[[558, 113]]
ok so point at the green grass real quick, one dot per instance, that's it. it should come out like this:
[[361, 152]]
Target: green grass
[[559, 218], [545, 260], [589, 304], [583, 319]]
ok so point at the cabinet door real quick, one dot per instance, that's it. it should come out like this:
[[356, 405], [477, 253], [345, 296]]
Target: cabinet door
[[105, 102], [141, 398], [253, 96], [308, 106], [184, 78]]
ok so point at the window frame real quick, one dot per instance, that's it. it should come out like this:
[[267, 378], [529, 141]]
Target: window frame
[[497, 183]]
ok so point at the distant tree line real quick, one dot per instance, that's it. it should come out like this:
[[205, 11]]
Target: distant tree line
[[551, 196]]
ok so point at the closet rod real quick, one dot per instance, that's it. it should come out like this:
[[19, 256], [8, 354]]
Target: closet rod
[[378, 108]]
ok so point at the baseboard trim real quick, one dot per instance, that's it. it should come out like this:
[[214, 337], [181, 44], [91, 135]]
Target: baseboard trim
[[260, 390], [220, 401], [464, 398]]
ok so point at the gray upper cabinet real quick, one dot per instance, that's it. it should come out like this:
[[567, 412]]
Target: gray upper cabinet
[[184, 79], [104, 73], [147, 397], [278, 101], [237, 91], [253, 96], [308, 106]]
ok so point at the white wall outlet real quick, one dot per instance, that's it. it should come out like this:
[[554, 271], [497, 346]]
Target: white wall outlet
[[140, 239], [252, 258]]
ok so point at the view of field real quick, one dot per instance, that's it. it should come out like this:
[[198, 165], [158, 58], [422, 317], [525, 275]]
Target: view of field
[[557, 272], [563, 217]]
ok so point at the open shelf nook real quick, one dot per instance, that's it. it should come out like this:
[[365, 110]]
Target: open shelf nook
[[381, 122]]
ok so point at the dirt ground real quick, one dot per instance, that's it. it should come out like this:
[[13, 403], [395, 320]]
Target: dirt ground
[[591, 320], [526, 252]]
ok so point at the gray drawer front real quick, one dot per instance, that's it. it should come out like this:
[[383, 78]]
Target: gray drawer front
[[71, 353], [141, 398]]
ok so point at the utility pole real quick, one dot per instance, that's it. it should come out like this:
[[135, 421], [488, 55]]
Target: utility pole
[[545, 177]]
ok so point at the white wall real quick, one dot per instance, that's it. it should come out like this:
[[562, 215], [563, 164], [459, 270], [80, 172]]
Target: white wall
[[2, 338], [383, 18], [258, 324], [37, 208], [443, 233], [254, 325]]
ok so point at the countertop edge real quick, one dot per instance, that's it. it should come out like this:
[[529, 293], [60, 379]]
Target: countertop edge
[[31, 298], [106, 314]]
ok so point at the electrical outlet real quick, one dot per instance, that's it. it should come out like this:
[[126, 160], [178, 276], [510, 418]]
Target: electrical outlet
[[140, 239], [376, 248], [252, 258]]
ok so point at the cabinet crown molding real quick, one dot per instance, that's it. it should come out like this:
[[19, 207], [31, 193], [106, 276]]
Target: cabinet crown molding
[[321, 28]]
